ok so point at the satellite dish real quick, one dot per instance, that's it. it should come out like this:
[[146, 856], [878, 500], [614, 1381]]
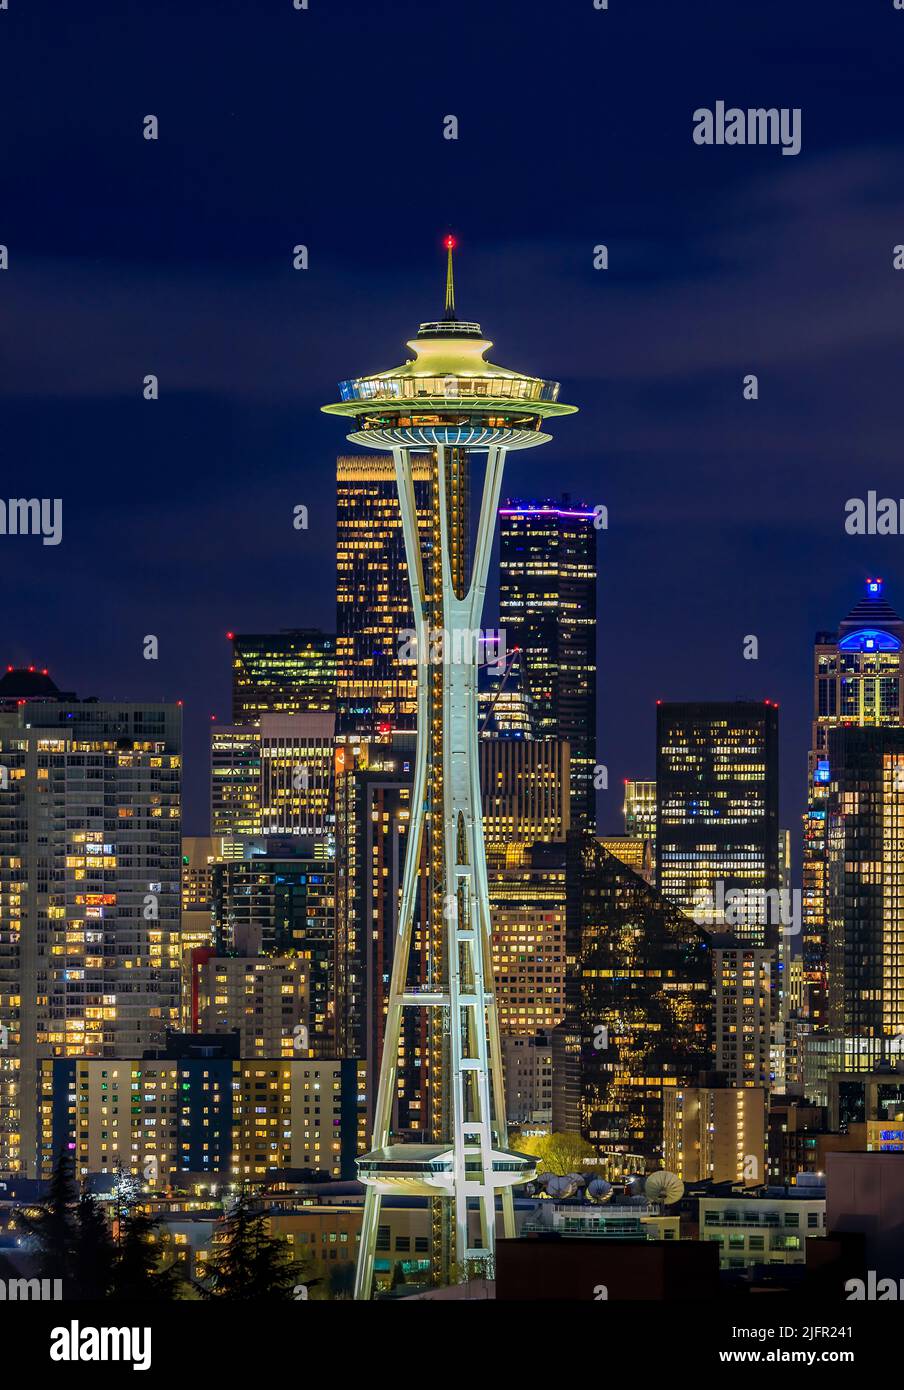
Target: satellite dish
[[664, 1187], [634, 1184], [598, 1189], [562, 1187]]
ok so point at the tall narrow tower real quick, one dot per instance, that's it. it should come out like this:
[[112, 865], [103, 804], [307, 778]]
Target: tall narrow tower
[[450, 404]]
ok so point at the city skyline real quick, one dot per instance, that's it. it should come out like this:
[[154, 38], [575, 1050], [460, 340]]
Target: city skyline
[[434, 867], [745, 498]]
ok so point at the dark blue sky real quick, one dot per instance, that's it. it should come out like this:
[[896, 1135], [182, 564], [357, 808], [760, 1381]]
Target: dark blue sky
[[324, 126]]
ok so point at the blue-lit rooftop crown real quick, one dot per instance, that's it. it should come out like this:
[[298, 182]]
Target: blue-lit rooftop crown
[[872, 624], [449, 394]]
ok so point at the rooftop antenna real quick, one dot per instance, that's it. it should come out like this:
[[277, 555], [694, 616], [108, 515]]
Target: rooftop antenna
[[449, 311]]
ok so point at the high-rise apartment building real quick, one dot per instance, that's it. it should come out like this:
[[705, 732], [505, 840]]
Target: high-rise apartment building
[[90, 861], [289, 672], [745, 1011], [235, 780], [716, 1133], [373, 814], [266, 1000], [528, 1065], [377, 690], [717, 833], [164, 1116], [281, 903], [547, 607], [857, 682]]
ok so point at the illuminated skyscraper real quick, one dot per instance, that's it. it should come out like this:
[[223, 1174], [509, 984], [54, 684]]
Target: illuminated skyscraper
[[717, 825], [716, 1132], [289, 672], [90, 861], [373, 815], [640, 810], [272, 777], [524, 791], [530, 957], [865, 897], [743, 982], [276, 904], [377, 690], [547, 607], [857, 681], [448, 403], [235, 779], [645, 1004]]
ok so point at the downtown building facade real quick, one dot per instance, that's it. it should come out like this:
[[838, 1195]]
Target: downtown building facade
[[90, 860], [376, 688], [717, 830], [161, 1118], [288, 672], [857, 683], [864, 907], [373, 816], [272, 777], [274, 915], [716, 1132], [643, 1004], [547, 609]]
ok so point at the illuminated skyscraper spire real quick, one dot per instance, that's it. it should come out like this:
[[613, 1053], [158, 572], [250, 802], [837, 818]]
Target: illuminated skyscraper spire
[[449, 403]]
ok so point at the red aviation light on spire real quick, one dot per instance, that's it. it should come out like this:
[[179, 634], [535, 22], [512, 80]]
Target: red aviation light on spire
[[450, 243]]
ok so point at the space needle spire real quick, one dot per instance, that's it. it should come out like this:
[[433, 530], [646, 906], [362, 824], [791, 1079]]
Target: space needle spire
[[449, 403]]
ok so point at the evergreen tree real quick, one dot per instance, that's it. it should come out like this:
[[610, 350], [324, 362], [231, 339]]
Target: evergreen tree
[[342, 1280], [137, 1271], [94, 1249], [249, 1264], [53, 1227], [71, 1235]]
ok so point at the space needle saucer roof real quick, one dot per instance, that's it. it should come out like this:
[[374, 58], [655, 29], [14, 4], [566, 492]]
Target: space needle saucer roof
[[448, 393]]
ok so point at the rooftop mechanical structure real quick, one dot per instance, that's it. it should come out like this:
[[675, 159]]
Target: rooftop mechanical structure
[[449, 402]]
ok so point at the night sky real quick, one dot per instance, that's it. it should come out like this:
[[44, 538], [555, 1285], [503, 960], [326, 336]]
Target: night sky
[[324, 127]]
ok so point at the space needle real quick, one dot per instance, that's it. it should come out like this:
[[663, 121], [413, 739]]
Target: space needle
[[449, 402]]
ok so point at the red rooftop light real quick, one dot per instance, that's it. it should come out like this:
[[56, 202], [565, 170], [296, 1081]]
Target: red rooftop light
[[450, 243]]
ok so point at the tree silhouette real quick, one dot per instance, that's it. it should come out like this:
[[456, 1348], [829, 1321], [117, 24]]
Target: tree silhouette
[[95, 1251], [71, 1236], [137, 1270], [250, 1264]]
